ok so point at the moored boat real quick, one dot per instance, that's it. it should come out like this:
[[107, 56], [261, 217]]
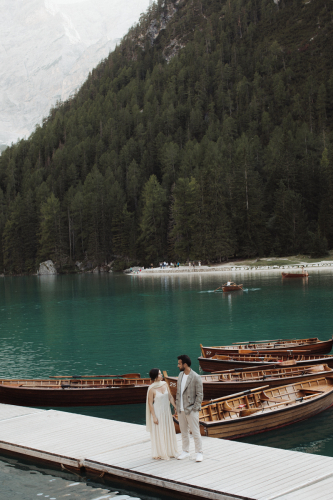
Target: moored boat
[[264, 409], [295, 275], [75, 391], [224, 362], [308, 346], [233, 381]]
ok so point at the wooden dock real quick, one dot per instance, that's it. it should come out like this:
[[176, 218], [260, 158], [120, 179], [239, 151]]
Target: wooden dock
[[117, 450]]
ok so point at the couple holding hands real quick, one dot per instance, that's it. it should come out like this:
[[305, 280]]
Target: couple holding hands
[[158, 414]]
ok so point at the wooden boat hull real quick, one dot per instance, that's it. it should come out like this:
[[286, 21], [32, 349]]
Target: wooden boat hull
[[320, 347], [262, 422], [230, 362], [213, 390], [295, 275], [232, 288], [48, 397]]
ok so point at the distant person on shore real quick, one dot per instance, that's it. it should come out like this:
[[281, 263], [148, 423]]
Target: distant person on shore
[[177, 264], [188, 402], [159, 419]]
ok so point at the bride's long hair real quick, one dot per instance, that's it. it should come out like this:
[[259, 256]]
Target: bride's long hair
[[154, 373]]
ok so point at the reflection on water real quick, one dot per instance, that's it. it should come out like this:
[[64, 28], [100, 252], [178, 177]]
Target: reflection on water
[[113, 324], [231, 297]]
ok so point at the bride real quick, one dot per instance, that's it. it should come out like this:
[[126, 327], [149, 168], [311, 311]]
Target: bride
[[159, 419]]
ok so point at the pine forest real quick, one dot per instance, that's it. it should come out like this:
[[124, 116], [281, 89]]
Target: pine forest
[[206, 134]]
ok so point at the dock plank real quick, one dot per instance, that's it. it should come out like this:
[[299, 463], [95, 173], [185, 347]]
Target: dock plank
[[272, 473], [322, 490], [10, 411]]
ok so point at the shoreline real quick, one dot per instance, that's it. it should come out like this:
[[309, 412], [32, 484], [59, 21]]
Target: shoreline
[[232, 269]]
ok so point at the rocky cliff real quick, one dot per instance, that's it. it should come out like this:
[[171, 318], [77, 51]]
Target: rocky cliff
[[47, 48]]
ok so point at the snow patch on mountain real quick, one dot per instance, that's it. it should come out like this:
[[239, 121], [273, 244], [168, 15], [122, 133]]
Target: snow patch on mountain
[[47, 48]]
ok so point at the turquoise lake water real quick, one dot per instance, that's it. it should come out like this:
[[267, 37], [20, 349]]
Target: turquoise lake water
[[114, 324]]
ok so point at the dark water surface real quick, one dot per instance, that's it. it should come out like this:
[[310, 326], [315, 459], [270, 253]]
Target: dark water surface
[[114, 324]]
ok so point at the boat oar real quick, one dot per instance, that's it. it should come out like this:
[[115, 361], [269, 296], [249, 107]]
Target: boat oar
[[232, 396], [257, 341], [249, 411], [95, 376], [246, 369], [202, 351], [218, 288], [287, 402], [306, 397]]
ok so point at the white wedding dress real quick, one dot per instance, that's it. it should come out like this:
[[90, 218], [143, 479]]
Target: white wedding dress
[[163, 435]]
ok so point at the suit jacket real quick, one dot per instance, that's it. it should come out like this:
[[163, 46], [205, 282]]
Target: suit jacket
[[193, 392]]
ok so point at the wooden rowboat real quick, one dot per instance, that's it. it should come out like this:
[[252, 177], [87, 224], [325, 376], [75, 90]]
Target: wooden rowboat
[[75, 391], [224, 362], [308, 346], [295, 275], [233, 381], [230, 288], [263, 409]]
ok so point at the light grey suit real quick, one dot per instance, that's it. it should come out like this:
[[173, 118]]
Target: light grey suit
[[193, 392], [189, 418]]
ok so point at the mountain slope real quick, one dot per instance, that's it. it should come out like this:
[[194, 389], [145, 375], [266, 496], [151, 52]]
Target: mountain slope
[[205, 134], [48, 48]]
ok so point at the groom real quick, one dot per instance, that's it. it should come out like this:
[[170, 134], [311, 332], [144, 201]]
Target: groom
[[188, 403]]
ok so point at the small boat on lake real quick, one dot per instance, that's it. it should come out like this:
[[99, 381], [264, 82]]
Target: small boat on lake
[[308, 346], [303, 274], [221, 362], [233, 381], [230, 286], [75, 391], [263, 409]]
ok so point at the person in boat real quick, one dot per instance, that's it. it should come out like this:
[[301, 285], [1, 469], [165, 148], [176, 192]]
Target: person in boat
[[188, 403], [159, 419], [229, 283]]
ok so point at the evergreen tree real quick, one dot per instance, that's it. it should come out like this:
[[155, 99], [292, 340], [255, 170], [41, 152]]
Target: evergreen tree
[[152, 225], [51, 244], [326, 208], [185, 219]]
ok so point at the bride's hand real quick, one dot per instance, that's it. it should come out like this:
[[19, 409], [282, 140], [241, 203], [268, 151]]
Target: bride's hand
[[155, 420]]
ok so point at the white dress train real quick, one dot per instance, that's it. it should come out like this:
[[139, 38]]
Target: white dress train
[[163, 435]]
